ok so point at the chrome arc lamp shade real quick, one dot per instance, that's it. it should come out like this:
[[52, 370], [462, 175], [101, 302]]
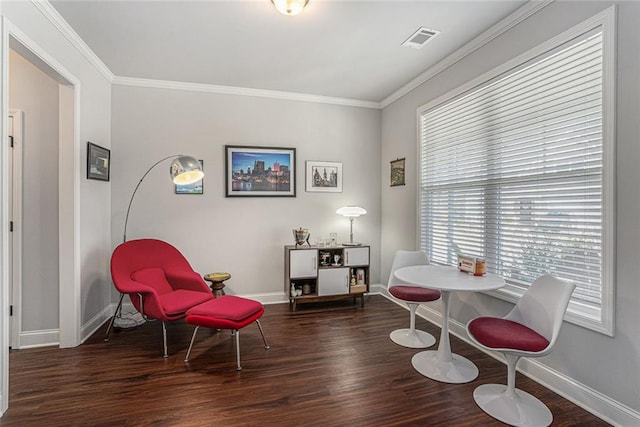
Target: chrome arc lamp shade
[[184, 170], [351, 212]]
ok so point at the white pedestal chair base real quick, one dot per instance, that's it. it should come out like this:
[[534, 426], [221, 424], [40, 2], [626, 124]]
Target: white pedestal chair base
[[412, 338], [457, 370], [520, 410]]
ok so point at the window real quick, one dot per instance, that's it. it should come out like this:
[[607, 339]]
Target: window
[[517, 168]]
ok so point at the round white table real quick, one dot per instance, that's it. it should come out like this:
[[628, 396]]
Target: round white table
[[442, 365]]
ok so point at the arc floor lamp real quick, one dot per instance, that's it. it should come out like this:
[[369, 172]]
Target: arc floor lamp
[[184, 170]]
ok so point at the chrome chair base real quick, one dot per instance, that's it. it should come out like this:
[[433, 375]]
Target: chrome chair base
[[236, 333]]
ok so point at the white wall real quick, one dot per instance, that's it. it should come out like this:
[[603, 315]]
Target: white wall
[[36, 94], [84, 205], [244, 236], [610, 366]]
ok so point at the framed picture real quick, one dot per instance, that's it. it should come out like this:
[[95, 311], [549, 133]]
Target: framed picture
[[195, 188], [260, 171], [397, 172], [324, 176], [98, 162]]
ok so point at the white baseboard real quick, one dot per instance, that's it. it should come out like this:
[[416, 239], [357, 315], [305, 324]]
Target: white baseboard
[[96, 322], [268, 298], [378, 289], [587, 398], [50, 337], [41, 338]]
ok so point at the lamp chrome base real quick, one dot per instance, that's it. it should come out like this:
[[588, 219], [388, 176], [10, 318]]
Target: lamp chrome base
[[351, 244]]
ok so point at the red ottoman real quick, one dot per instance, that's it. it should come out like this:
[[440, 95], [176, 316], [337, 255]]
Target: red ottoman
[[226, 312]]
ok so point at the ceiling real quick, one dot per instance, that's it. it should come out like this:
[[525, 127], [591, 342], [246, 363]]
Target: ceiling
[[335, 48]]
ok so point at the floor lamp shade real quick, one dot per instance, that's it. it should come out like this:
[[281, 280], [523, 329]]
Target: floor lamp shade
[[184, 170]]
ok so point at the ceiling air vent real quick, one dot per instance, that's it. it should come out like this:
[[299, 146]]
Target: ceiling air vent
[[420, 38]]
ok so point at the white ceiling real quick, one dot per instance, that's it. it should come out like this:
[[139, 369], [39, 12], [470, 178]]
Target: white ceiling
[[343, 49]]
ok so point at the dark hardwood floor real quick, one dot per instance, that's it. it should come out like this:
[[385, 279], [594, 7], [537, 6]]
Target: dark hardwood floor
[[330, 364]]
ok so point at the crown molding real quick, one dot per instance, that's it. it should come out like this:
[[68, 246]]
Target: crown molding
[[65, 29], [232, 90], [496, 30]]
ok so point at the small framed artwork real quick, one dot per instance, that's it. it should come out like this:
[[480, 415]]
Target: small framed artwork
[[397, 172], [98, 162], [324, 176], [195, 188], [260, 171]]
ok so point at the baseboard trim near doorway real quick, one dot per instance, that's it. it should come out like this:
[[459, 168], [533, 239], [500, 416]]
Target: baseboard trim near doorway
[[41, 338]]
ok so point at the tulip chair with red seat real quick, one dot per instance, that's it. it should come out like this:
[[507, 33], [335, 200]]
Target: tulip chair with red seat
[[413, 296], [159, 281], [529, 330]]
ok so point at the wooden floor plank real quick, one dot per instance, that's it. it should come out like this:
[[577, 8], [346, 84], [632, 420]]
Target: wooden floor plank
[[330, 364]]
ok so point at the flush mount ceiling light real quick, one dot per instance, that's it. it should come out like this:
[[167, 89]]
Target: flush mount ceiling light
[[290, 7]]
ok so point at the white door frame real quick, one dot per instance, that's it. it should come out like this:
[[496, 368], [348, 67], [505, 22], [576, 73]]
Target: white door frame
[[15, 239], [68, 201]]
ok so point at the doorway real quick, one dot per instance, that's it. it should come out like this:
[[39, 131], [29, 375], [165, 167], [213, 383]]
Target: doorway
[[65, 161], [69, 166], [35, 204], [68, 298]]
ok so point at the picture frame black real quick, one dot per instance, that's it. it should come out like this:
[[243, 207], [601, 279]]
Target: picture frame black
[[252, 171], [98, 162], [397, 173]]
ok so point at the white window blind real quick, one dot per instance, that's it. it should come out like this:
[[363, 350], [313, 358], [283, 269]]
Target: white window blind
[[512, 171]]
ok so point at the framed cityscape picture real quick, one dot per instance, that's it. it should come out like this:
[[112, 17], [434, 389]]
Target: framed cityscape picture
[[260, 171], [324, 176]]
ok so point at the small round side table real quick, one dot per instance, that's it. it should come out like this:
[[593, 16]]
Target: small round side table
[[217, 282]]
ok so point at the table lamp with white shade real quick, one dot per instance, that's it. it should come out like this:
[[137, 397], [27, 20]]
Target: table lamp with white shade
[[351, 212]]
